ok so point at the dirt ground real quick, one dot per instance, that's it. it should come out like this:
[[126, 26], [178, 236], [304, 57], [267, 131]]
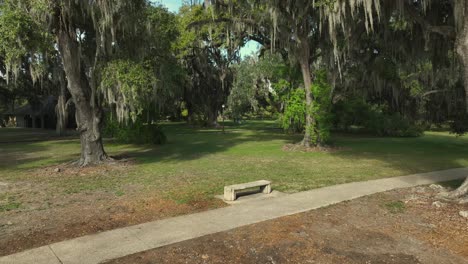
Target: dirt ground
[[45, 218], [401, 227]]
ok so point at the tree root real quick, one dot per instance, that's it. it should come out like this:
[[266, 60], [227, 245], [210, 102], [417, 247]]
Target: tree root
[[85, 162], [453, 196], [299, 147], [460, 194]]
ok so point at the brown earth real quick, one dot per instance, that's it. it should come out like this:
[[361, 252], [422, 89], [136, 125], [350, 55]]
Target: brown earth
[[46, 218], [400, 227]]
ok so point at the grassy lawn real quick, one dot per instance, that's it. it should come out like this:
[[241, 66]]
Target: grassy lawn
[[196, 164]]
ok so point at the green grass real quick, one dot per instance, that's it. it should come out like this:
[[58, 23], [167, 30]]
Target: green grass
[[8, 203], [195, 164], [395, 207]]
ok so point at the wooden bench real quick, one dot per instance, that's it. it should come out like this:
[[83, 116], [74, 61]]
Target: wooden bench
[[230, 192]]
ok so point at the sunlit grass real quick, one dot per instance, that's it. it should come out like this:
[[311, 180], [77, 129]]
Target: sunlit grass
[[197, 163]]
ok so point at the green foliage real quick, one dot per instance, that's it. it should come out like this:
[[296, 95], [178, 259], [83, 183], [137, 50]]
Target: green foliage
[[294, 114], [293, 118], [8, 203], [373, 119], [20, 37], [137, 133], [207, 50], [383, 123], [243, 96], [260, 86], [130, 86], [351, 112], [321, 108], [184, 113]]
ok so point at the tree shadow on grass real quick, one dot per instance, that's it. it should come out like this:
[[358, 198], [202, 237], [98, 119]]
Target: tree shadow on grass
[[183, 147], [432, 152], [184, 143]]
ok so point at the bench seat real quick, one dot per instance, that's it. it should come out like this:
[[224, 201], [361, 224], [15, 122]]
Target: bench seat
[[230, 192]]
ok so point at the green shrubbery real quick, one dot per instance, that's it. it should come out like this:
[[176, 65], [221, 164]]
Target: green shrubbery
[[374, 119], [321, 108], [294, 116], [459, 125], [136, 133]]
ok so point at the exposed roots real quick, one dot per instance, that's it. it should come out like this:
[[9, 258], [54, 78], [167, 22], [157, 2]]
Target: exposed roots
[[300, 147], [449, 197], [85, 162], [459, 195]]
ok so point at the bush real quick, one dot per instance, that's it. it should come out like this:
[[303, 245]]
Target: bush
[[374, 119], [321, 108], [351, 112], [137, 133], [459, 125], [293, 118], [393, 125]]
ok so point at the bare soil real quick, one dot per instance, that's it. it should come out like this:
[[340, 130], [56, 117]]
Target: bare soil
[[45, 217], [400, 227]]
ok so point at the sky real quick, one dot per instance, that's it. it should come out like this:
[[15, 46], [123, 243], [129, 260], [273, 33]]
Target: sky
[[250, 47], [172, 5]]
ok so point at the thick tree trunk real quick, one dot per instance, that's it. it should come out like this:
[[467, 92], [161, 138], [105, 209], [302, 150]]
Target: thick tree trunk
[[89, 115], [462, 50], [305, 69], [212, 118]]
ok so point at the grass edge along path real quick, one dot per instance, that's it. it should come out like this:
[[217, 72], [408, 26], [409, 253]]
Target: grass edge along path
[[129, 240]]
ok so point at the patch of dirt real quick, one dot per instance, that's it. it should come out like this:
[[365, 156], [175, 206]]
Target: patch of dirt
[[120, 163], [365, 230], [21, 231], [50, 217], [300, 148]]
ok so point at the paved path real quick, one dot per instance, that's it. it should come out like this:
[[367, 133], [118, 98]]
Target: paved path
[[125, 241]]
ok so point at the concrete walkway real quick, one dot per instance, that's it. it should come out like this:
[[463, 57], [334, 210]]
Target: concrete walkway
[[125, 241]]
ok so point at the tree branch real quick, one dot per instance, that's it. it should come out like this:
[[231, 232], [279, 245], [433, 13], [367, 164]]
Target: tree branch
[[446, 31]]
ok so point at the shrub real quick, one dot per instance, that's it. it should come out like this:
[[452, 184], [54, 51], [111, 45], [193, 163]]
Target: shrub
[[393, 125], [375, 119], [459, 125], [136, 133], [293, 118], [321, 108]]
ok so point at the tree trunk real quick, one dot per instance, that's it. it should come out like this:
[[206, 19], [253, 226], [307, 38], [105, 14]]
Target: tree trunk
[[61, 108], [462, 50], [89, 115], [304, 53], [212, 117]]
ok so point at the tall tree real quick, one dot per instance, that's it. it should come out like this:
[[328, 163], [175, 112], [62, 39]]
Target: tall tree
[[297, 25], [461, 20], [453, 26], [87, 34], [207, 51]]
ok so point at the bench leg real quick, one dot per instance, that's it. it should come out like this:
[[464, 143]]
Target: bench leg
[[266, 189], [229, 195]]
